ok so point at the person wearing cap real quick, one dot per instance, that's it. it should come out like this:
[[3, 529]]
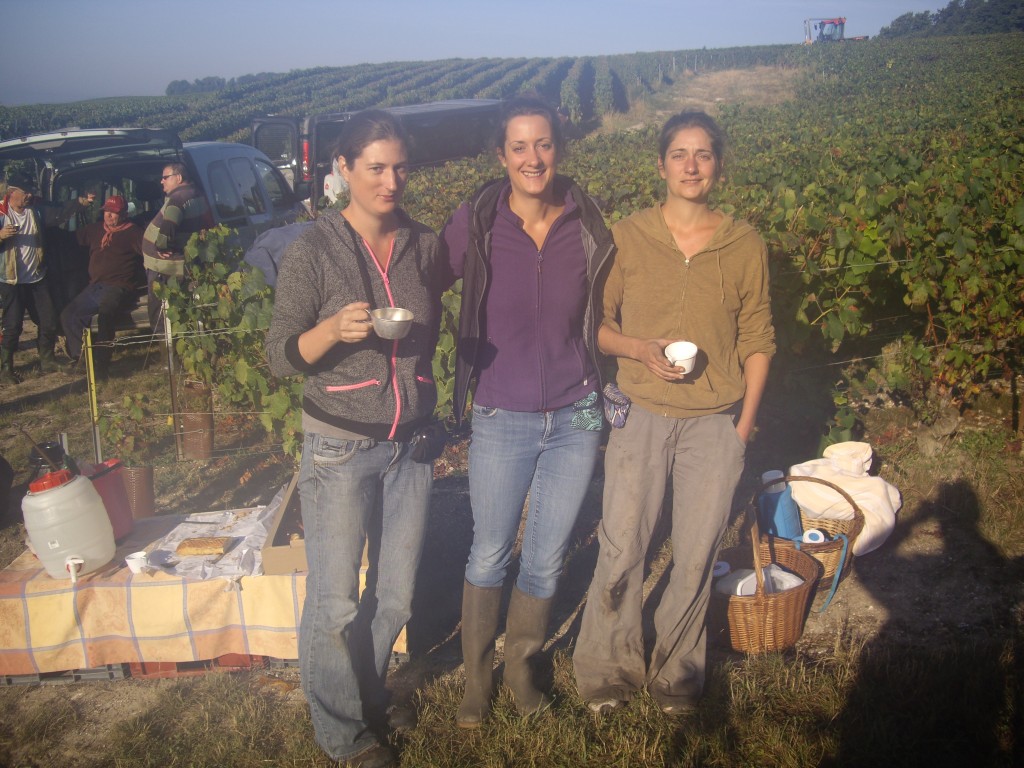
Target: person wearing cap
[[115, 273], [23, 279], [184, 212]]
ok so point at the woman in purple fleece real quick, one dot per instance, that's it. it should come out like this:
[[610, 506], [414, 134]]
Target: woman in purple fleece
[[528, 247]]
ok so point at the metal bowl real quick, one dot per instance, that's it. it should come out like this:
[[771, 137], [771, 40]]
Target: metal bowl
[[391, 322]]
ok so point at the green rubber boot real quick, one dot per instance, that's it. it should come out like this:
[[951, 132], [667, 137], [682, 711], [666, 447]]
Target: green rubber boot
[[480, 606], [525, 631], [7, 375], [47, 362]]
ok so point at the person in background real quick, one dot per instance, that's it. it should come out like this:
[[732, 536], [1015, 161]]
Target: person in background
[[23, 272], [115, 270], [529, 247], [683, 271], [362, 478], [185, 211]]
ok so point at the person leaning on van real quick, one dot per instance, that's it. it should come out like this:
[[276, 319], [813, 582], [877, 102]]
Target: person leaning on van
[[184, 212]]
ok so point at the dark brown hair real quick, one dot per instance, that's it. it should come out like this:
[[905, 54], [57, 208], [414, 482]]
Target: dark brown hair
[[703, 120], [522, 106], [366, 127]]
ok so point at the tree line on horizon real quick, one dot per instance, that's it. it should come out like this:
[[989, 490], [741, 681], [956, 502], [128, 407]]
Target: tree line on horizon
[[961, 17], [585, 88]]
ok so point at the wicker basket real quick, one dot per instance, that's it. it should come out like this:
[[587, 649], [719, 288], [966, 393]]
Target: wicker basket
[[828, 553], [138, 485], [763, 621]]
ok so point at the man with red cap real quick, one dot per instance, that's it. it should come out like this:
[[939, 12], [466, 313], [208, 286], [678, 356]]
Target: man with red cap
[[115, 275]]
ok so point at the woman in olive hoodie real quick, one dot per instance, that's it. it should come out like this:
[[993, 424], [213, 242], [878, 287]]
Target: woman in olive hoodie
[[682, 271]]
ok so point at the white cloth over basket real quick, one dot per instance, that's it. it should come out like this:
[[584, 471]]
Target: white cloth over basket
[[846, 465]]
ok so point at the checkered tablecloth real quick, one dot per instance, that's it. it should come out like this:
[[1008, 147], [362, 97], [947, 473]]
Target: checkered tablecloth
[[112, 616]]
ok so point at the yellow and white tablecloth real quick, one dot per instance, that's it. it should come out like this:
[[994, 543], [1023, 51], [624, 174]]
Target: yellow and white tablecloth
[[112, 616]]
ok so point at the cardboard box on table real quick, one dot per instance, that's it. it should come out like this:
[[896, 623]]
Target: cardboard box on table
[[285, 550]]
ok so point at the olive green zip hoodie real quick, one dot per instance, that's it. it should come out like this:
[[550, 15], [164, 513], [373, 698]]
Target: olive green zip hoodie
[[718, 300]]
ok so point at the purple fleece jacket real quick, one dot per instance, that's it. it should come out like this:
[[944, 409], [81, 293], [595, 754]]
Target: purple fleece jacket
[[533, 357]]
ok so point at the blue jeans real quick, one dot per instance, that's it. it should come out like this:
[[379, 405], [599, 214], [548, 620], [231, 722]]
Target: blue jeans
[[354, 492], [512, 453], [97, 298]]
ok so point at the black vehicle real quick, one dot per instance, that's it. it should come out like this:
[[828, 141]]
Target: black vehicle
[[300, 147], [244, 189]]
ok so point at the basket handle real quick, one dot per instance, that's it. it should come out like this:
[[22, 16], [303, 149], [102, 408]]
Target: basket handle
[[755, 544], [857, 513], [755, 532]]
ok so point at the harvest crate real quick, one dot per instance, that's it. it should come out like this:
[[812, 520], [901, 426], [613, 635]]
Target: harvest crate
[[101, 674], [229, 662]]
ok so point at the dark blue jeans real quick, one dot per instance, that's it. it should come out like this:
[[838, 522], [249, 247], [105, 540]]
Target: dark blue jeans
[[98, 298]]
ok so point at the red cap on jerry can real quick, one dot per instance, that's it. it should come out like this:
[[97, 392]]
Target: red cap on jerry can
[[51, 480]]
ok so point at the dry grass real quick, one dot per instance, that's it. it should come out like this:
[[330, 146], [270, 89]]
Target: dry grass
[[756, 87]]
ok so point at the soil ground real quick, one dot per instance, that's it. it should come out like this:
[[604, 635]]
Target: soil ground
[[937, 578]]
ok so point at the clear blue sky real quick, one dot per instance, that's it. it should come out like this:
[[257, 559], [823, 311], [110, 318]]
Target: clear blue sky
[[64, 50]]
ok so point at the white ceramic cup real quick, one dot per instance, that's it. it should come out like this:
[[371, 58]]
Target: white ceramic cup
[[137, 561], [682, 354]]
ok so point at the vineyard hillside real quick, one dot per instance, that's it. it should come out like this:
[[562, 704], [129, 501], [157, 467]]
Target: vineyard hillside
[[586, 88], [888, 189]]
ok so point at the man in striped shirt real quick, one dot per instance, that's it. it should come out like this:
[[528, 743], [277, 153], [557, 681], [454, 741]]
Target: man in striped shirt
[[184, 212]]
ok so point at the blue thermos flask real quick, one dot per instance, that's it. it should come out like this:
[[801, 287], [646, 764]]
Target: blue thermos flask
[[777, 513]]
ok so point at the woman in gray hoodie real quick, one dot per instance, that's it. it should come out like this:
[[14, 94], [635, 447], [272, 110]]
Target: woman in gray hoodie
[[365, 399]]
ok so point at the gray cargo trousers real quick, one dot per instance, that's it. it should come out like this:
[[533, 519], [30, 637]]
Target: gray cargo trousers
[[704, 458]]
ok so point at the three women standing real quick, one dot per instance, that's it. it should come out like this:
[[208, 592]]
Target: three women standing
[[364, 398], [529, 248], [682, 271]]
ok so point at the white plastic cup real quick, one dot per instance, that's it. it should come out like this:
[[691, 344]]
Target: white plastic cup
[[137, 562], [682, 354]]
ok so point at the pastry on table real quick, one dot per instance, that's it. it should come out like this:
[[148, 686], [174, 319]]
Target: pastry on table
[[204, 545]]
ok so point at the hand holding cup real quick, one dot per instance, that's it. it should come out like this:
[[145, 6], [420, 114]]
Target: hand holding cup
[[351, 324]]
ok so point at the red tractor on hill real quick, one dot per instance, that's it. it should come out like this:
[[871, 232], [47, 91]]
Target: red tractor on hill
[[829, 31]]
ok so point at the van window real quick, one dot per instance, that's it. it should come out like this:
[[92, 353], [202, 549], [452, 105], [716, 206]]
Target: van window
[[142, 193], [280, 196], [245, 177], [224, 195], [275, 141]]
